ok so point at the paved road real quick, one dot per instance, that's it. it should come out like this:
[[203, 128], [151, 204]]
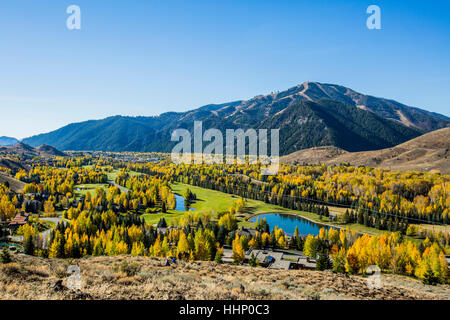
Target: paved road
[[46, 233], [122, 189], [15, 238]]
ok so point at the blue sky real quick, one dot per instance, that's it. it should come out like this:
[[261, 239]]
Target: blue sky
[[147, 57]]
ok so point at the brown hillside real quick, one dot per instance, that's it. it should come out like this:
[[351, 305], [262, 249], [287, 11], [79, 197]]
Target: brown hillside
[[14, 184], [46, 150], [101, 278], [11, 164], [25, 150], [429, 152]]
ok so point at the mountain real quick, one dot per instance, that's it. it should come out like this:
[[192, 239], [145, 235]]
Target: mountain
[[308, 115], [28, 151], [7, 141], [429, 152]]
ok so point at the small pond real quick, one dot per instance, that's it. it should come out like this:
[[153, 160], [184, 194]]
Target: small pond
[[288, 223], [180, 203]]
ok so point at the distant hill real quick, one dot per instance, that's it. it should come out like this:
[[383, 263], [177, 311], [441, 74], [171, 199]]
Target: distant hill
[[14, 184], [47, 150], [28, 151], [11, 164], [429, 152], [309, 115], [8, 141]]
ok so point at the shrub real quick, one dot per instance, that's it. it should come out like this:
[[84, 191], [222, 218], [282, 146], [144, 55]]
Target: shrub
[[5, 256], [253, 262], [130, 269], [11, 269], [60, 272]]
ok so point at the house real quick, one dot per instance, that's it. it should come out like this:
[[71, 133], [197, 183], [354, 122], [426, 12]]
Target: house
[[283, 265], [265, 258], [306, 263], [18, 221], [249, 233], [165, 230], [279, 260]]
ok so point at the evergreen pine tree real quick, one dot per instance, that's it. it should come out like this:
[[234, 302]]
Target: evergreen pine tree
[[323, 262], [5, 256], [29, 246], [253, 262]]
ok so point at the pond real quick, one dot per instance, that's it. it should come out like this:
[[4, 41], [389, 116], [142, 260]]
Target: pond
[[288, 223], [179, 206]]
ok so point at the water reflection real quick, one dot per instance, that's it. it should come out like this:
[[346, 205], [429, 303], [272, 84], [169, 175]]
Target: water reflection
[[288, 223], [179, 206]]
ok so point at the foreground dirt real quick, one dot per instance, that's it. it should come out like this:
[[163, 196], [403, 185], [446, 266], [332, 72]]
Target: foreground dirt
[[35, 278]]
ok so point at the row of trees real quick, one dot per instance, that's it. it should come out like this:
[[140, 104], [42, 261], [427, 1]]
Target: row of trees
[[411, 197]]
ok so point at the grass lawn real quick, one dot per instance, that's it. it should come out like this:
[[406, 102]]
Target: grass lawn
[[48, 224], [213, 200], [88, 187], [220, 201], [113, 174], [152, 218], [435, 228]]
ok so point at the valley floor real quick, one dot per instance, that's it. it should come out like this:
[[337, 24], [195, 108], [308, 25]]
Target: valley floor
[[36, 278]]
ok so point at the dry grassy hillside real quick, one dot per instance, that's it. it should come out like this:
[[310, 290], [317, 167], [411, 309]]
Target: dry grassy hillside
[[14, 184], [429, 152], [103, 278]]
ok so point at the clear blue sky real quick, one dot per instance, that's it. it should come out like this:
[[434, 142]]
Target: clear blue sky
[[140, 57]]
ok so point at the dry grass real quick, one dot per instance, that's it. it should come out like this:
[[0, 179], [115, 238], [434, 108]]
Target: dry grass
[[126, 277], [428, 153]]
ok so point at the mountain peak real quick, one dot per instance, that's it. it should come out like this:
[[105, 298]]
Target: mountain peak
[[312, 123]]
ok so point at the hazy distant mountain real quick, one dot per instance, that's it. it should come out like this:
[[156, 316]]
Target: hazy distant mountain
[[308, 115], [7, 141]]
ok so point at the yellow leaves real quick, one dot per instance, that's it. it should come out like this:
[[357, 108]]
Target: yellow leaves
[[282, 242], [253, 244], [48, 207], [322, 234], [333, 235], [229, 222], [308, 247], [183, 246], [7, 208], [138, 249], [121, 248], [156, 249], [135, 234], [27, 230], [238, 251], [343, 238]]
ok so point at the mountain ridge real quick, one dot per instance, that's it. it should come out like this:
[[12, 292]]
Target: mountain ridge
[[7, 141], [124, 133]]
